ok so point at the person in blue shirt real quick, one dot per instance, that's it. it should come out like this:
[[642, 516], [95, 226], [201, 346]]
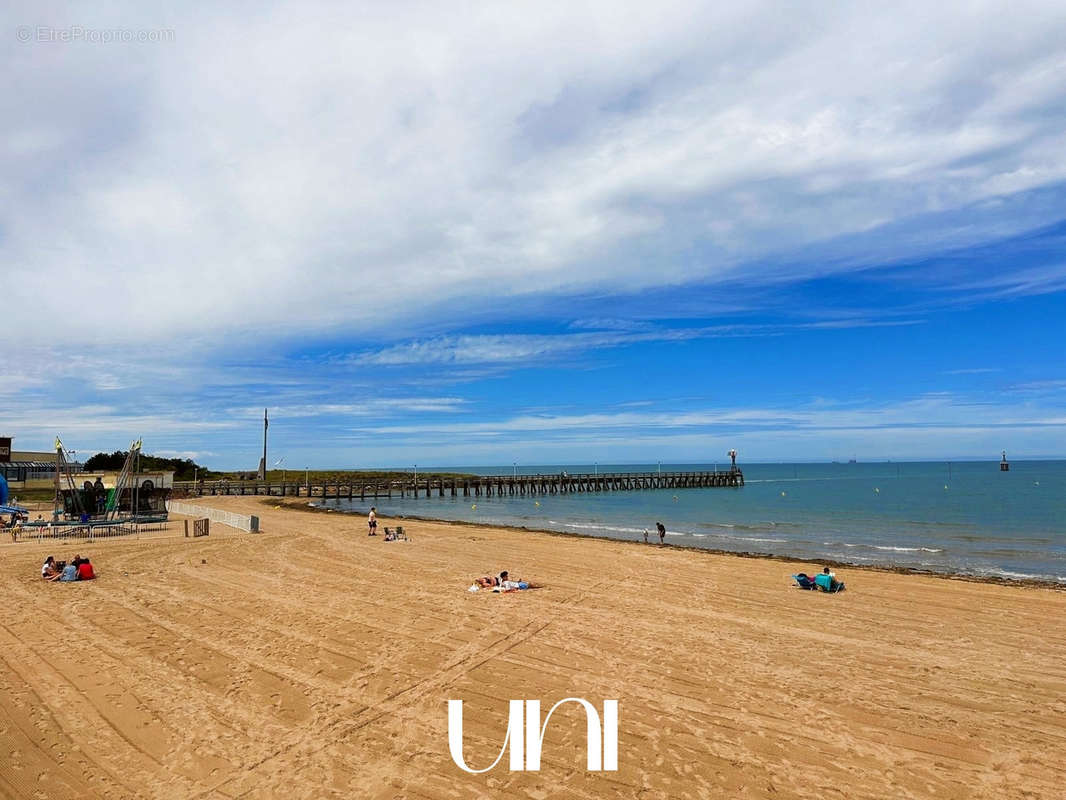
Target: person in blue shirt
[[70, 573]]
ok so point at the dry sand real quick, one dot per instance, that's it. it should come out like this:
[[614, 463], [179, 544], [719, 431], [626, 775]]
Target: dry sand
[[313, 661]]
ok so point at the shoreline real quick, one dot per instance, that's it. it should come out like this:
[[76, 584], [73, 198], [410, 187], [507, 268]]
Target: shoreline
[[307, 506]]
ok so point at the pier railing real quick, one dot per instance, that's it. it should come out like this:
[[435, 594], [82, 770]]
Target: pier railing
[[475, 486]]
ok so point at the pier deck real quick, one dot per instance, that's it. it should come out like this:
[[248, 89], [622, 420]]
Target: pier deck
[[476, 486]]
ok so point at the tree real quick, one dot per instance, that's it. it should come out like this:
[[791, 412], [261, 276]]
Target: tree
[[185, 469]]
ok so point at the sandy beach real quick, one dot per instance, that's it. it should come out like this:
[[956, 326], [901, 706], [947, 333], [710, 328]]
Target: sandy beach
[[313, 661]]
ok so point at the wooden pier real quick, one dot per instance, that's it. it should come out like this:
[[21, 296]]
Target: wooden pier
[[474, 486]]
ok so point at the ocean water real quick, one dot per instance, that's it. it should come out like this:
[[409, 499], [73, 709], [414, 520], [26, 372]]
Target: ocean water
[[960, 517]]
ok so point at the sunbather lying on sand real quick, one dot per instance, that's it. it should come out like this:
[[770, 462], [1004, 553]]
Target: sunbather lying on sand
[[503, 583]]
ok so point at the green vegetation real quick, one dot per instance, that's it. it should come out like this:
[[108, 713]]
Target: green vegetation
[[35, 495], [184, 468]]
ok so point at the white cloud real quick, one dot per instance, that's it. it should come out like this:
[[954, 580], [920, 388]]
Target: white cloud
[[517, 349], [1056, 385], [932, 426], [306, 169], [933, 412], [372, 406]]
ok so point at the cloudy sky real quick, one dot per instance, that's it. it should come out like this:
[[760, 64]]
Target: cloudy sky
[[454, 234]]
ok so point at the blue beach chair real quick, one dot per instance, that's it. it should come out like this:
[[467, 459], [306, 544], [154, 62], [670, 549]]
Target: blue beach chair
[[827, 583], [805, 581]]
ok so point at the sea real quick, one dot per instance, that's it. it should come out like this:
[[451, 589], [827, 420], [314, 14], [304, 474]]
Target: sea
[[964, 517]]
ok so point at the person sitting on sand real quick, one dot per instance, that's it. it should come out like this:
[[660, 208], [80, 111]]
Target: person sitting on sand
[[49, 571], [827, 581], [69, 573], [85, 570]]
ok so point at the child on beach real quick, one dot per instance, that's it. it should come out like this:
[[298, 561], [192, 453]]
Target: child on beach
[[372, 521]]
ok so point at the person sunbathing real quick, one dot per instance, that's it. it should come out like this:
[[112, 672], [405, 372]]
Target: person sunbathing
[[508, 584], [805, 581], [503, 583]]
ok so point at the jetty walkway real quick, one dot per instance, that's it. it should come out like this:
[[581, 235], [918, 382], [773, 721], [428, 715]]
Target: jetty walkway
[[471, 486]]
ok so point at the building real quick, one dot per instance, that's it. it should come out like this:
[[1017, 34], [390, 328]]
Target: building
[[27, 465]]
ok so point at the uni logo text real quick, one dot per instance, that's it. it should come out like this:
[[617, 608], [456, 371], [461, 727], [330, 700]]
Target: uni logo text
[[525, 733]]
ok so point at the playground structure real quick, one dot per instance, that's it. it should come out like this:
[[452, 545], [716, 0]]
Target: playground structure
[[132, 497], [102, 505]]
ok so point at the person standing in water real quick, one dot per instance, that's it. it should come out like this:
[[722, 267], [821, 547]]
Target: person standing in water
[[662, 532]]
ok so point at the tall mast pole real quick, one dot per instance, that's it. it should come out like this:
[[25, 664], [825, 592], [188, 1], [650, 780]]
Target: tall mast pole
[[55, 502], [263, 463]]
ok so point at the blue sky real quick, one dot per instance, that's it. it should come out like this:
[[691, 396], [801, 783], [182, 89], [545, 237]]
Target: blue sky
[[561, 234]]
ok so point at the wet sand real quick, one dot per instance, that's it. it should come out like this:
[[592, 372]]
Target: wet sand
[[314, 661]]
